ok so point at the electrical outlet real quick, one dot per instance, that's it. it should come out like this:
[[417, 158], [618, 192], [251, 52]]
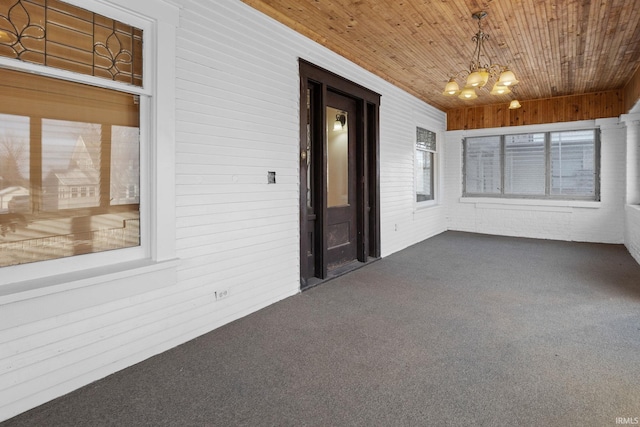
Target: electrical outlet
[[221, 294]]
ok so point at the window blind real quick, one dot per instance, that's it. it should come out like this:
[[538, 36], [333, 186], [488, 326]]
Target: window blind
[[483, 175], [524, 164]]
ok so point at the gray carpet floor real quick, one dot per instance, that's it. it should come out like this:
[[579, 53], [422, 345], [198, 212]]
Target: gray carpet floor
[[459, 330]]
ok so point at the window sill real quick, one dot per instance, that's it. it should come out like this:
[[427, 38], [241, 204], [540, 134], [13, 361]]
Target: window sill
[[19, 291], [426, 204], [528, 203]]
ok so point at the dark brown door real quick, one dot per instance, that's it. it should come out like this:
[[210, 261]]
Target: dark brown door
[[339, 178], [341, 228]]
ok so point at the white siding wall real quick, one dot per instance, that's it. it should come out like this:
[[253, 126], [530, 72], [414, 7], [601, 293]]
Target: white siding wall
[[632, 223], [236, 108], [402, 222], [632, 232], [543, 219], [238, 118]]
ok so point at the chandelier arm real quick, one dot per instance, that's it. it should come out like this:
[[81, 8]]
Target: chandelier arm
[[495, 69]]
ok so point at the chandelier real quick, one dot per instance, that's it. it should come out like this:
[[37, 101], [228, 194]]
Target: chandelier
[[479, 72]]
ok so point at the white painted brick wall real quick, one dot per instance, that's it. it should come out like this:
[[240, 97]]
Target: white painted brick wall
[[542, 219]]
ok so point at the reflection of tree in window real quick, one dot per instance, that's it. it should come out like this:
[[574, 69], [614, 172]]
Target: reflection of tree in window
[[14, 159]]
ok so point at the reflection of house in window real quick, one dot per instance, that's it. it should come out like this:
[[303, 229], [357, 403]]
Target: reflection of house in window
[[125, 165], [127, 193], [77, 186]]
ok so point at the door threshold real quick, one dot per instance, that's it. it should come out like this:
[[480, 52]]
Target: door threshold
[[337, 272], [345, 268]]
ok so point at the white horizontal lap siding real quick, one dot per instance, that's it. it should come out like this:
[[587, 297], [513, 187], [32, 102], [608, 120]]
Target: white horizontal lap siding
[[251, 83], [237, 119], [54, 343], [402, 222], [632, 210], [632, 234]]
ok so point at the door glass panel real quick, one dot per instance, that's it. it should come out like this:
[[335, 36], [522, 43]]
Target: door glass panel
[[308, 151], [337, 158]]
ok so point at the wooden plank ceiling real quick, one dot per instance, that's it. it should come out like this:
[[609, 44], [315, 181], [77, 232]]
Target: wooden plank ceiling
[[555, 48]]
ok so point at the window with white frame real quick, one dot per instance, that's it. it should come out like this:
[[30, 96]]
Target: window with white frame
[[553, 165], [68, 150], [425, 161]]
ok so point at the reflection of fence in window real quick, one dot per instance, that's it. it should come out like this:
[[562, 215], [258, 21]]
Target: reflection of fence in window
[[53, 247]]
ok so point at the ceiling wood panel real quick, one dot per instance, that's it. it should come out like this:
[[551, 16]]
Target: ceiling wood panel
[[538, 111], [632, 91], [555, 48]]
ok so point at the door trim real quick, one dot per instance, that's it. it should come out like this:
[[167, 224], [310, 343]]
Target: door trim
[[367, 170]]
